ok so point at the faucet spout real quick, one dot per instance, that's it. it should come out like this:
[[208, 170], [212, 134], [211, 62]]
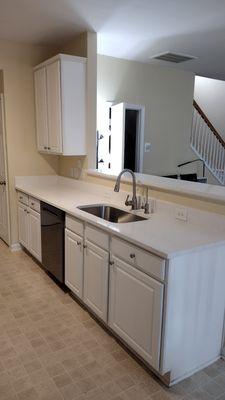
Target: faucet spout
[[132, 202]]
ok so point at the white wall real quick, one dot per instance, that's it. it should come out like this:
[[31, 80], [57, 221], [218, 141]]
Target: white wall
[[210, 95], [167, 95]]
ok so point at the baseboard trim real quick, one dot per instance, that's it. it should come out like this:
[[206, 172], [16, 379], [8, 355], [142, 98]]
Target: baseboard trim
[[15, 247], [192, 372]]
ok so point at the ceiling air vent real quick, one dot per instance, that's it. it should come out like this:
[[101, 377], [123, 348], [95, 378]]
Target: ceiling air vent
[[173, 57]]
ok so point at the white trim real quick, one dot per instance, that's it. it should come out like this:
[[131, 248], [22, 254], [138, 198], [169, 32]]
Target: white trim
[[65, 57], [193, 371], [15, 247], [6, 166]]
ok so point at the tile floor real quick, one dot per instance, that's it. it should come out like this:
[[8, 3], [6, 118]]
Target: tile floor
[[51, 349]]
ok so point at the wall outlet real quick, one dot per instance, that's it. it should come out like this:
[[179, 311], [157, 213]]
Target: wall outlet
[[181, 213], [147, 147]]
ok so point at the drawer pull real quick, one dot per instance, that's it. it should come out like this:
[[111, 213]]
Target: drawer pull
[[111, 262], [132, 255], [78, 243], [84, 246]]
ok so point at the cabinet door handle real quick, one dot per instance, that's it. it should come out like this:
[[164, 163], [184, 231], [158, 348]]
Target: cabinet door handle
[[45, 148], [32, 204], [49, 148], [78, 243], [84, 246], [132, 255], [111, 262], [25, 210]]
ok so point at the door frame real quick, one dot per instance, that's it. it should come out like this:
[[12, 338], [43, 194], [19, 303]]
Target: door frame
[[140, 133], [2, 105]]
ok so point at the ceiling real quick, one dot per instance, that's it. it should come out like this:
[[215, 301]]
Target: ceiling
[[131, 29]]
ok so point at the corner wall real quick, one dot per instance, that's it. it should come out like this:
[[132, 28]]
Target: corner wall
[[84, 45]]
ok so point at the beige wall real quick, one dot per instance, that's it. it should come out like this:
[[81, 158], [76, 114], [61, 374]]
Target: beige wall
[[167, 95], [16, 62]]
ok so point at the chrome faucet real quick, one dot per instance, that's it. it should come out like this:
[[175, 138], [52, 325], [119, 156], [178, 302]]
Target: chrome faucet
[[128, 202]]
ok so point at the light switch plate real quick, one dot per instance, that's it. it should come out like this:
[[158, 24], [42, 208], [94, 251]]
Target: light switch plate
[[147, 147], [181, 213]]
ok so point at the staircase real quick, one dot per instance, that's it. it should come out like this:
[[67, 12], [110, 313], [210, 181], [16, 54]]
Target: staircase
[[208, 144]]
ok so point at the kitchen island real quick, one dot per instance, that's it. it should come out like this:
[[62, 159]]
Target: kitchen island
[[157, 284]]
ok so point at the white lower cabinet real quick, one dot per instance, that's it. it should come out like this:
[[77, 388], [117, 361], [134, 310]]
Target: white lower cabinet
[[29, 222], [96, 267], [135, 309], [34, 234], [74, 262], [129, 300], [23, 224]]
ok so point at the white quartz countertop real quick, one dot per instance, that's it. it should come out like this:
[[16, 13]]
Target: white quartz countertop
[[161, 234]]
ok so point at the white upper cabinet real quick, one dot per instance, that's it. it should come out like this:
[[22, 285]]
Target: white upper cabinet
[[60, 99], [54, 108], [40, 82]]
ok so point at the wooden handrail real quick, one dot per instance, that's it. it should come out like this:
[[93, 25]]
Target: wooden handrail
[[210, 125]]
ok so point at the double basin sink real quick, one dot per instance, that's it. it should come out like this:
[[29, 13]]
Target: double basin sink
[[111, 214]]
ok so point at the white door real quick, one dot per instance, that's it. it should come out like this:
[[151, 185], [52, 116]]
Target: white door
[[23, 221], [117, 137], [54, 107], [4, 217], [34, 233], [96, 279], [135, 310], [74, 262], [40, 84]]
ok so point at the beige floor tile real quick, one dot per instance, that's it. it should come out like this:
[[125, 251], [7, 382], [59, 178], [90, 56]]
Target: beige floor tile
[[62, 380], [51, 348], [29, 394]]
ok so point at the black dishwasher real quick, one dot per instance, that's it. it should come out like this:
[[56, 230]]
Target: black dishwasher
[[52, 240]]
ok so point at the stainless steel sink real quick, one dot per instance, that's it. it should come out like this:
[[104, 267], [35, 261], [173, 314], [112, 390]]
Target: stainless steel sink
[[111, 214]]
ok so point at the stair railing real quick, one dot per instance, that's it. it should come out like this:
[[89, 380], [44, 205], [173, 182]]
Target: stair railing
[[208, 144]]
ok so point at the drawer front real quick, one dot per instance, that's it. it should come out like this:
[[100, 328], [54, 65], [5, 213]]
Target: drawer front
[[97, 237], [34, 204], [23, 198], [75, 225], [141, 259]]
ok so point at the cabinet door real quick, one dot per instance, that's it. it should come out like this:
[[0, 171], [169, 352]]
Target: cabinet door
[[96, 279], [23, 225], [74, 262], [135, 310], [40, 83], [54, 108], [34, 235]]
